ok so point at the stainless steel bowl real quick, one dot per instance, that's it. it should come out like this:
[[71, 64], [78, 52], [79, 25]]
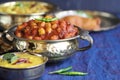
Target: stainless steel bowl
[[32, 73], [8, 19], [54, 49]]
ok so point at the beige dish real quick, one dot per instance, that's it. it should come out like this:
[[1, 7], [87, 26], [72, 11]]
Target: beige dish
[[11, 15]]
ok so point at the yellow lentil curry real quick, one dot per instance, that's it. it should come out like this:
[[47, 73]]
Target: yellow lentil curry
[[25, 60]]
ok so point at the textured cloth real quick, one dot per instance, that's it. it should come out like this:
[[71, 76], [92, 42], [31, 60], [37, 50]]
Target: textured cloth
[[101, 61]]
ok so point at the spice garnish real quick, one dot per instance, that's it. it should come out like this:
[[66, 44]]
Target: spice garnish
[[46, 19], [14, 59]]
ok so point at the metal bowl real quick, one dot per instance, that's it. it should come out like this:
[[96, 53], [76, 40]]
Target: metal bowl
[[54, 49], [108, 20], [9, 19], [32, 73]]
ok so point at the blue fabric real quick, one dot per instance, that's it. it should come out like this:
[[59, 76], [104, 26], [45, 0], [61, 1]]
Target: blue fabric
[[102, 61]]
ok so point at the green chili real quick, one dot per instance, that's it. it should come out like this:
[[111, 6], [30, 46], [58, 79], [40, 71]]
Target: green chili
[[47, 19], [74, 73], [61, 70]]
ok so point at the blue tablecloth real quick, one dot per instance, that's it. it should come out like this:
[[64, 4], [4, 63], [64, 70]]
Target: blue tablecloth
[[101, 61]]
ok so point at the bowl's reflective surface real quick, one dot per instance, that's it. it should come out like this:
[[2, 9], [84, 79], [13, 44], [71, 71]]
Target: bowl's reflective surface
[[54, 49]]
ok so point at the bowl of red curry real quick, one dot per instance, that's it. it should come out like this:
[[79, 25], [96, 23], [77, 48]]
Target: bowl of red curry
[[52, 37]]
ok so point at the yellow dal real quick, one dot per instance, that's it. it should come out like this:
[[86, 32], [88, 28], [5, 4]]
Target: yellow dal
[[35, 60]]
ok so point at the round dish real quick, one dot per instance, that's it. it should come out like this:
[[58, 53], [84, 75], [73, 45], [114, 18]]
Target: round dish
[[108, 20], [55, 50], [55, 38], [7, 19], [30, 73]]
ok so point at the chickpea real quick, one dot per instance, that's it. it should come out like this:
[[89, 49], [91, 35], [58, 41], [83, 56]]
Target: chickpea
[[39, 24], [29, 37], [48, 25], [37, 38], [42, 24], [33, 24], [18, 34], [59, 30], [54, 26], [54, 37], [20, 27], [41, 31], [48, 30]]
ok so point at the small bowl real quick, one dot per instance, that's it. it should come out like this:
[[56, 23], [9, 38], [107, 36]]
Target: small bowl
[[31, 73]]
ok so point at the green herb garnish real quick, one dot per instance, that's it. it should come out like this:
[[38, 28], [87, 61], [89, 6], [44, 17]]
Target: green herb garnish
[[11, 58], [14, 59], [46, 19]]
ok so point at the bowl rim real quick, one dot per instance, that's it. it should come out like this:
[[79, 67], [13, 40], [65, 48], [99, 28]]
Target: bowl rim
[[54, 8], [32, 67]]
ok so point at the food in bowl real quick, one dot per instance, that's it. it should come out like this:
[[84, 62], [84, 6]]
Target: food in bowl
[[25, 7], [16, 12], [47, 28], [57, 41], [20, 60], [21, 66], [90, 24]]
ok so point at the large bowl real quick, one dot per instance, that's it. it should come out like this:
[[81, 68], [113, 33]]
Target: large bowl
[[9, 19], [54, 49], [31, 73]]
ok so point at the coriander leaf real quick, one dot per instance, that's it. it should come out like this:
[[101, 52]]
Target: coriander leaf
[[14, 59], [8, 57]]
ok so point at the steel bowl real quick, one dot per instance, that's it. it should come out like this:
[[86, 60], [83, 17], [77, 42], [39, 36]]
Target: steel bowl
[[31, 73], [9, 19], [108, 20], [54, 49]]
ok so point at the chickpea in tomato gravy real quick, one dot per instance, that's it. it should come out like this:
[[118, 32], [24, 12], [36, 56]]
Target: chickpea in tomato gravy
[[47, 28]]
